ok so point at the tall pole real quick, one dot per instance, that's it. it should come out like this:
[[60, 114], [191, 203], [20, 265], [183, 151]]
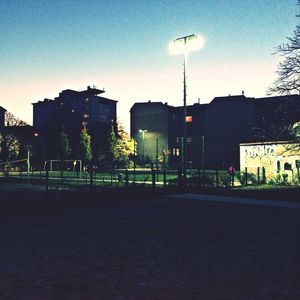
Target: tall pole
[[184, 41], [28, 165], [134, 160], [143, 147], [183, 156]]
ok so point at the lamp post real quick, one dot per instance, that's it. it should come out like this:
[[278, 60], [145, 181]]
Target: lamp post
[[183, 45], [143, 135]]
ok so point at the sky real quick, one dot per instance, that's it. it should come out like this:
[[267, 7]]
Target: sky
[[121, 46]]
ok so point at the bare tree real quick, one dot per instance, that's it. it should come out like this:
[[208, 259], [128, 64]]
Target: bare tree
[[287, 114], [288, 80], [12, 120]]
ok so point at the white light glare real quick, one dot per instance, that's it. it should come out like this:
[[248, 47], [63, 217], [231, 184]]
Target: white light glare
[[178, 46]]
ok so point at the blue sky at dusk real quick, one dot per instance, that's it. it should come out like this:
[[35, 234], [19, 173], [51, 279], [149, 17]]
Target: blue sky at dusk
[[122, 46]]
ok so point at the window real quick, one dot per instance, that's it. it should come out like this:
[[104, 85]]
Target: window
[[189, 140], [188, 119], [287, 166], [177, 152]]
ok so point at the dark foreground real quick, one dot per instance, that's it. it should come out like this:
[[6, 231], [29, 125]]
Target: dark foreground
[[70, 246]]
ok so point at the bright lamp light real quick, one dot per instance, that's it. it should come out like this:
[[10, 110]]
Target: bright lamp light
[[192, 43]]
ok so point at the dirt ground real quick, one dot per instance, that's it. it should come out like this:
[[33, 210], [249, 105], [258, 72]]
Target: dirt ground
[[75, 246]]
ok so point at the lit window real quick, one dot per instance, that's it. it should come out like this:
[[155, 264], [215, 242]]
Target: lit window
[[177, 139], [189, 140], [188, 119], [73, 110], [177, 152], [174, 151]]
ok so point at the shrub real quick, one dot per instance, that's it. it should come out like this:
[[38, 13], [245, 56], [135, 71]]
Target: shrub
[[251, 178]]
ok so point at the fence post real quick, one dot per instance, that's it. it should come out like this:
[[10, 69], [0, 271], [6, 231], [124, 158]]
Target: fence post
[[165, 178], [179, 178], [258, 179], [199, 174], [153, 178], [217, 177], [91, 179], [263, 175], [232, 179], [126, 178], [47, 180], [62, 176], [246, 176]]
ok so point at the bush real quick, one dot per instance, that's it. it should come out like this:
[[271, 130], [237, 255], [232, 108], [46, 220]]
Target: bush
[[225, 180], [251, 178], [206, 180]]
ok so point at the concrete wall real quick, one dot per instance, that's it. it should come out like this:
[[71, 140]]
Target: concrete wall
[[276, 158]]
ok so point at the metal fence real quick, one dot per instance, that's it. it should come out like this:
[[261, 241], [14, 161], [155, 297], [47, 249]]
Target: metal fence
[[121, 177]]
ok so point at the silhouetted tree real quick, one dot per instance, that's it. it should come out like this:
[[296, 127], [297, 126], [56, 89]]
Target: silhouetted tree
[[85, 151], [9, 147], [64, 145], [112, 145], [12, 120], [287, 83], [124, 147]]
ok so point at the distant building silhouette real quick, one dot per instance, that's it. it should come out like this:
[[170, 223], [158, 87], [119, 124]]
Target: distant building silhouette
[[2, 116], [214, 130], [74, 110]]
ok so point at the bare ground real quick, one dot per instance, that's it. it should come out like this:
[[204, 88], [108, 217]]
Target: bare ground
[[82, 246]]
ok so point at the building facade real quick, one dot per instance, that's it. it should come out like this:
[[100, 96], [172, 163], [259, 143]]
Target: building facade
[[214, 130], [71, 111], [272, 160], [154, 127]]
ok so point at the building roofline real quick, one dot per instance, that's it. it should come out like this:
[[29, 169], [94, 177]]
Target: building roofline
[[269, 143]]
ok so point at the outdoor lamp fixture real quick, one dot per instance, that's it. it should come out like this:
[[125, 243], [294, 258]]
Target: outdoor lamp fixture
[[143, 132], [183, 46]]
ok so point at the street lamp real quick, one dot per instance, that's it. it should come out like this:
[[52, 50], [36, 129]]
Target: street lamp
[[143, 134], [182, 46]]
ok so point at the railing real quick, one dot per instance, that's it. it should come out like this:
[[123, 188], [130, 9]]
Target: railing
[[122, 177]]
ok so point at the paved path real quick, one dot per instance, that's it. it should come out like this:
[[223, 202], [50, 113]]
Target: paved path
[[236, 200]]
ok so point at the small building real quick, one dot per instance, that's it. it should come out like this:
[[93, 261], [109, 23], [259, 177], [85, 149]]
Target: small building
[[275, 158]]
